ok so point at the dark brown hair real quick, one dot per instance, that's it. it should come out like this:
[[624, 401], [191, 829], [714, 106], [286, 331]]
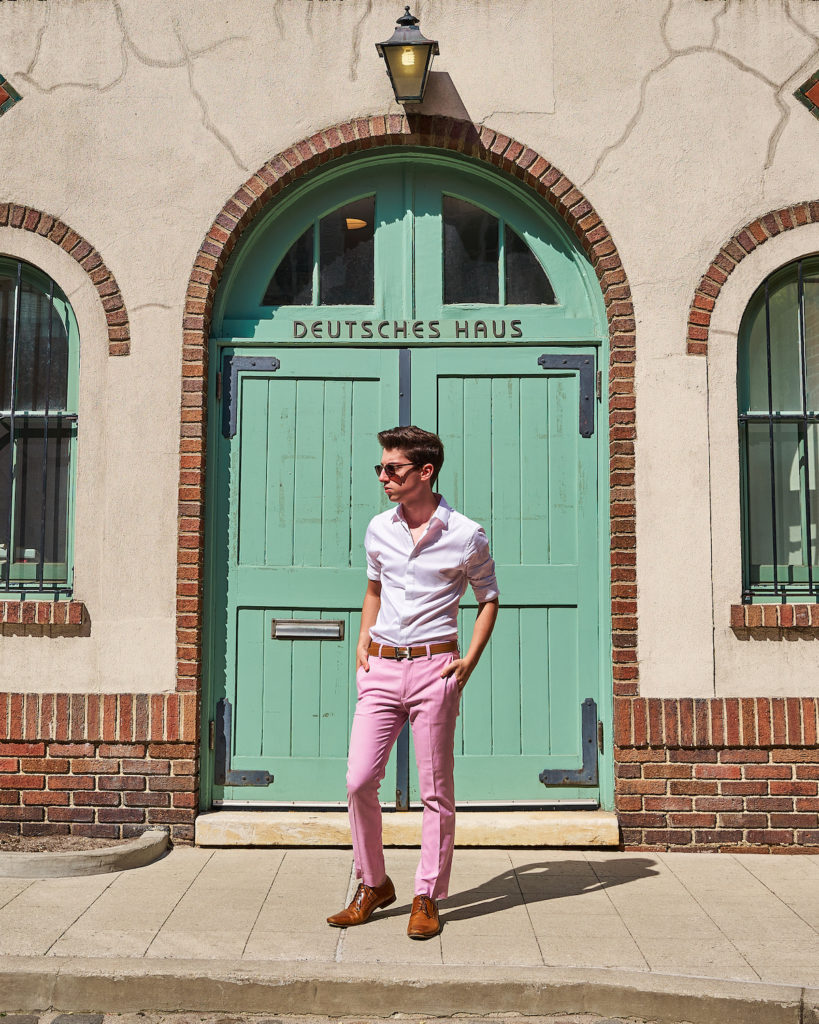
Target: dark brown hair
[[420, 446]]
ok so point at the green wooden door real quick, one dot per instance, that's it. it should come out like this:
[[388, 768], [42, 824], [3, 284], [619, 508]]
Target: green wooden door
[[516, 460], [297, 448], [307, 383]]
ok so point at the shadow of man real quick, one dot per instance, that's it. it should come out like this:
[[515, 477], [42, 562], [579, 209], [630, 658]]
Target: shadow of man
[[533, 883]]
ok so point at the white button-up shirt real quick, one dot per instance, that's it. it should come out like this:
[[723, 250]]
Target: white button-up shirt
[[422, 584]]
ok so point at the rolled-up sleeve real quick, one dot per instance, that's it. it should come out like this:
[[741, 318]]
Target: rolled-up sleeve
[[480, 568], [373, 563]]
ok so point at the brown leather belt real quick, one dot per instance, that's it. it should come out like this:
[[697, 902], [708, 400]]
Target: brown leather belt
[[419, 651]]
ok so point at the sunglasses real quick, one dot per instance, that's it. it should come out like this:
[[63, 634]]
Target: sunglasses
[[391, 468]]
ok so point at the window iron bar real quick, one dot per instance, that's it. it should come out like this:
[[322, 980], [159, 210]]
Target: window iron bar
[[800, 283], [778, 417], [15, 327], [771, 436], [38, 414], [44, 477]]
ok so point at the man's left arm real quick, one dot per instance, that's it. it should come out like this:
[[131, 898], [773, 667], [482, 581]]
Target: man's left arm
[[480, 571]]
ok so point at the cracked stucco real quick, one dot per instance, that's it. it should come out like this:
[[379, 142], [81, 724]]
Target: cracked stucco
[[718, 31]]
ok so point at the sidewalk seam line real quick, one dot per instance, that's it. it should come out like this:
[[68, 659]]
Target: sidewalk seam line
[[261, 905], [82, 913], [343, 931], [176, 904], [20, 893], [730, 941], [616, 910], [777, 897], [528, 915]]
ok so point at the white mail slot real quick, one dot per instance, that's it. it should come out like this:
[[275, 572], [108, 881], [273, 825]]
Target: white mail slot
[[307, 629]]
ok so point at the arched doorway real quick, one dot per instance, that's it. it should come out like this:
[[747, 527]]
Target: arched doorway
[[405, 287]]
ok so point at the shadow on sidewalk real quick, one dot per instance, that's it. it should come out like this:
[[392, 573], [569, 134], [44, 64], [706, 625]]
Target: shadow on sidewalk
[[533, 883]]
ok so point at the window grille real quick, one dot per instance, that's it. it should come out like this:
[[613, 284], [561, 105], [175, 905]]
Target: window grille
[[779, 435], [38, 428]]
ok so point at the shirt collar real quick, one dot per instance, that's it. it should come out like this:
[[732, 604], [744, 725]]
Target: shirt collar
[[442, 512]]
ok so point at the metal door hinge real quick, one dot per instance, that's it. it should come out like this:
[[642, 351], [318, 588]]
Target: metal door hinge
[[223, 774], [600, 737], [231, 366], [211, 734], [585, 367], [219, 386], [599, 385], [587, 774]]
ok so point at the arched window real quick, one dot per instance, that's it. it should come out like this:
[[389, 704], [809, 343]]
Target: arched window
[[38, 429], [778, 378]]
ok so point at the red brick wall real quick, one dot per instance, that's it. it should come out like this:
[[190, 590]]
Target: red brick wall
[[720, 774], [105, 765]]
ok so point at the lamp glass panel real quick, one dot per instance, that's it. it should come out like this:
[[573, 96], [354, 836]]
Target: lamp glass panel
[[407, 66], [347, 255], [526, 280], [292, 281], [470, 253]]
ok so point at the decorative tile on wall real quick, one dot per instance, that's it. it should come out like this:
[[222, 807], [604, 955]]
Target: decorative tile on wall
[[8, 95], [808, 93]]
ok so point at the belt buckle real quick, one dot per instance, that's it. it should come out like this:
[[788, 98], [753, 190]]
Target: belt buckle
[[403, 652]]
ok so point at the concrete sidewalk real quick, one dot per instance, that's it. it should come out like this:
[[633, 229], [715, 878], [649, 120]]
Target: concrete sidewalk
[[694, 937]]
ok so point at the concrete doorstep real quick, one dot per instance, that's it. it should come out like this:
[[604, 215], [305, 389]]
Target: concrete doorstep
[[28, 984]]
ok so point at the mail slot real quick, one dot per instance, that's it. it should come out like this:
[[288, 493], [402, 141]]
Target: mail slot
[[307, 629]]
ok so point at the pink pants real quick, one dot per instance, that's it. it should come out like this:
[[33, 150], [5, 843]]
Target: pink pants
[[388, 694]]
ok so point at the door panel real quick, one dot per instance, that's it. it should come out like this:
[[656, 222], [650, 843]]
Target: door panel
[[516, 463], [300, 490]]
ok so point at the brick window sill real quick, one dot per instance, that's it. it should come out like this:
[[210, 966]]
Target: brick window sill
[[774, 616], [44, 618]]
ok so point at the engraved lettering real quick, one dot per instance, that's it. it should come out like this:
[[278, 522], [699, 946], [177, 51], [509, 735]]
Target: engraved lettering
[[480, 329], [350, 324], [461, 331], [516, 331], [381, 326], [418, 328], [399, 329], [316, 328], [434, 332], [330, 329], [502, 329], [367, 329], [299, 329]]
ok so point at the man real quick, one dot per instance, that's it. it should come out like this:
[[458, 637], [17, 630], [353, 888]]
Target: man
[[420, 557]]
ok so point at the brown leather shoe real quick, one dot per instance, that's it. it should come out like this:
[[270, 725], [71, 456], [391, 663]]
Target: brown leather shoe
[[367, 899], [423, 922]]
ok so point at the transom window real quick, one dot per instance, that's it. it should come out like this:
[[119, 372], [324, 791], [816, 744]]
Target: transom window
[[38, 428], [332, 259], [779, 435], [419, 241]]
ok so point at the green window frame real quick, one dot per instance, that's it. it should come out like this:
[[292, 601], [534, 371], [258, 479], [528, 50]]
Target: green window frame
[[778, 392], [39, 377]]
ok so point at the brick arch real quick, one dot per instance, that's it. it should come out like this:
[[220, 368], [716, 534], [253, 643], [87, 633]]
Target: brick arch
[[732, 253], [480, 143], [26, 218]]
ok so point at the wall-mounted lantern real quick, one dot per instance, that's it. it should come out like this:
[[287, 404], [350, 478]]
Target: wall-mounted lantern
[[408, 56]]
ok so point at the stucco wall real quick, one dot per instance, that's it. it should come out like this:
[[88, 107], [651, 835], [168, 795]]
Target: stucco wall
[[138, 120]]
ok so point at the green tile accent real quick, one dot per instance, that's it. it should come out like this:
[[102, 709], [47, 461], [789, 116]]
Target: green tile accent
[[802, 94], [13, 95]]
